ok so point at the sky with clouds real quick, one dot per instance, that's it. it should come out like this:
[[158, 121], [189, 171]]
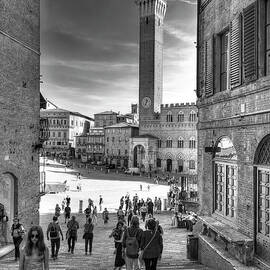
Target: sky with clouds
[[90, 53]]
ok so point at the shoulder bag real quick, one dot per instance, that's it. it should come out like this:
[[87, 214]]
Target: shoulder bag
[[142, 251]]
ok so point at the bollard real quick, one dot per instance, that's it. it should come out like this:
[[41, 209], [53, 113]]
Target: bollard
[[80, 206], [165, 204]]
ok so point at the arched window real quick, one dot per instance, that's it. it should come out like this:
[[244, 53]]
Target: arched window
[[159, 143], [262, 169], [180, 117], [180, 165], [192, 143], [158, 162], [192, 116], [169, 117], [169, 142], [180, 142], [226, 178], [192, 164]]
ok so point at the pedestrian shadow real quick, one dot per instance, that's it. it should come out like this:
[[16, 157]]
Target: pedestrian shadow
[[53, 171]]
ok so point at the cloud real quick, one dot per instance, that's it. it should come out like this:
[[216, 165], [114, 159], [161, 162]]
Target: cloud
[[90, 53], [191, 2]]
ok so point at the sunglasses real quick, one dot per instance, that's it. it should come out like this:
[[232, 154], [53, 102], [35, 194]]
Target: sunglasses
[[34, 236]]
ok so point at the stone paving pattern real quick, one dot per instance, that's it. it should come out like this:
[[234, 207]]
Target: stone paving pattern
[[102, 258]]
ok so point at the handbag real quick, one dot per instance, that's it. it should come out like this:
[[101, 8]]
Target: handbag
[[142, 251]]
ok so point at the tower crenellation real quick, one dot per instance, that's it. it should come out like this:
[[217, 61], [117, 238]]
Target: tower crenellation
[[151, 7]]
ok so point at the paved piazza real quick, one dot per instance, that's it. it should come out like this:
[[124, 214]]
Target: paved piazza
[[91, 187], [174, 254]]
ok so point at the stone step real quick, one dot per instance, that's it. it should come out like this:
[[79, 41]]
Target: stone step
[[5, 250]]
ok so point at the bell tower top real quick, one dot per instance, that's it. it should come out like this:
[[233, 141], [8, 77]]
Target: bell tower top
[[152, 7]]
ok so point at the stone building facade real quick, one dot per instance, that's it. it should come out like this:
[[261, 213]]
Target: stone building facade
[[233, 89], [96, 144], [63, 127], [19, 110], [106, 118], [117, 143], [167, 142]]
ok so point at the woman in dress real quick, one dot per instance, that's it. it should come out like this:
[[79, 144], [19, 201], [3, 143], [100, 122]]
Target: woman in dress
[[35, 255], [117, 234]]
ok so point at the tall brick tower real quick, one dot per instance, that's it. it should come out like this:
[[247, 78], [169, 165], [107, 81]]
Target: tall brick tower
[[152, 13]]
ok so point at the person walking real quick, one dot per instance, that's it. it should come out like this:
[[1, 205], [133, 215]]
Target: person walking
[[150, 207], [100, 203], [130, 214], [88, 235], [63, 204], [67, 212], [53, 234], [57, 210], [73, 227], [87, 212], [131, 243], [143, 212], [117, 234], [105, 215], [151, 245], [159, 204], [35, 254], [94, 215], [17, 233]]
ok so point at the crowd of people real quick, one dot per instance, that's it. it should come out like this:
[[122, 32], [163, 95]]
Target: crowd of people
[[133, 245]]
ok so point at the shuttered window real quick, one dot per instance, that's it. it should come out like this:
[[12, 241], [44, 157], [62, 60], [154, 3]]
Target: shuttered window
[[268, 37], [209, 67], [250, 42], [201, 58], [224, 61], [235, 52]]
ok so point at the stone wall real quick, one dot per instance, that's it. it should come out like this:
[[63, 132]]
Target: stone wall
[[20, 105], [241, 113]]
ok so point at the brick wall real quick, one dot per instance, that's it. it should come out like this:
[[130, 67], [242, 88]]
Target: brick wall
[[242, 114], [20, 98]]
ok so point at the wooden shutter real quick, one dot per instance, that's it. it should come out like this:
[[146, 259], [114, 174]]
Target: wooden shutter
[[250, 42], [268, 37], [201, 59], [235, 52], [209, 67], [216, 63]]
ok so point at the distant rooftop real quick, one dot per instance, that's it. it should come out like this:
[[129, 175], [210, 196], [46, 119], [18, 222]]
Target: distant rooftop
[[107, 112], [122, 125], [57, 110]]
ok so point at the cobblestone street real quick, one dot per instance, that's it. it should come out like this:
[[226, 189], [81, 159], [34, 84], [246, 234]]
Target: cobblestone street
[[174, 254]]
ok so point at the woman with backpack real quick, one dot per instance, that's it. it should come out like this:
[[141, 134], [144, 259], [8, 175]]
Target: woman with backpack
[[88, 235], [17, 233], [73, 226], [131, 243], [151, 245]]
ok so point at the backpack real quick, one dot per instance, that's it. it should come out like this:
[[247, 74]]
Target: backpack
[[88, 228], [53, 231], [132, 245], [73, 230]]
